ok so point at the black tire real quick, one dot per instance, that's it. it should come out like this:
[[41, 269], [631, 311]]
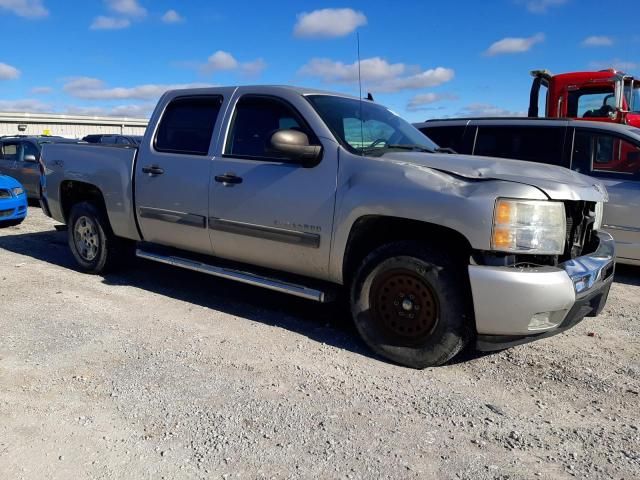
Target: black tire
[[429, 328], [94, 246]]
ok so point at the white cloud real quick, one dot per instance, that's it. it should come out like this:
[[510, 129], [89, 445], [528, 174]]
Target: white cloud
[[8, 72], [221, 60], [597, 41], [41, 90], [542, 6], [109, 23], [419, 102], [25, 105], [171, 16], [224, 61], [514, 45], [617, 64], [25, 8], [328, 23], [377, 73], [129, 8], [135, 111], [94, 89], [253, 69], [487, 110]]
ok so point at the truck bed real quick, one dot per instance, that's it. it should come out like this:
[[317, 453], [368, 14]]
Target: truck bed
[[109, 167]]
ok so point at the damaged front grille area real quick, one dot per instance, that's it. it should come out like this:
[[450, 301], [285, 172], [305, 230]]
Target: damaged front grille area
[[581, 217]]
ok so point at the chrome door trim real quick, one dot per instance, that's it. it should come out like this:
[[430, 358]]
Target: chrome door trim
[[295, 237], [170, 216]]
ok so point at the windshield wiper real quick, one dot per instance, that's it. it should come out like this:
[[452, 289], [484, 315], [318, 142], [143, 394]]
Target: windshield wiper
[[415, 148], [445, 150]]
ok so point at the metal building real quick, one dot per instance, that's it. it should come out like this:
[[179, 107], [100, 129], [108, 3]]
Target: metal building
[[70, 126]]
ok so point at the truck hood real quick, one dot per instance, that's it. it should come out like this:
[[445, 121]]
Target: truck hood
[[557, 183]]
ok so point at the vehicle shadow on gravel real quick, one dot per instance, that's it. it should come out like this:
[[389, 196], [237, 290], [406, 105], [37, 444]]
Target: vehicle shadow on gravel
[[627, 274], [330, 324]]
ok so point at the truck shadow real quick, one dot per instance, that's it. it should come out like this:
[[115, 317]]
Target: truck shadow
[[627, 274], [330, 324]]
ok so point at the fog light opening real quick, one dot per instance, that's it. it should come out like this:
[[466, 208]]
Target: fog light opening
[[542, 321]]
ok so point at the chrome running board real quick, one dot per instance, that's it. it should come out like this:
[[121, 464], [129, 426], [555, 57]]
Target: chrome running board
[[237, 275]]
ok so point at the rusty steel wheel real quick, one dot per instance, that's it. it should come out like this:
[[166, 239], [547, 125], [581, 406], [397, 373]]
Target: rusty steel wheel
[[411, 303], [404, 304]]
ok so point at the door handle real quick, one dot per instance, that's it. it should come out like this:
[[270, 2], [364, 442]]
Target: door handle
[[228, 179], [153, 170]]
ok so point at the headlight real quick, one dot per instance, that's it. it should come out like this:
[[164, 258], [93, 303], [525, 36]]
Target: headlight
[[17, 191], [529, 226]]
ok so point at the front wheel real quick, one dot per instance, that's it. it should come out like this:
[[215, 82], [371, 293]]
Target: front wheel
[[93, 244], [411, 304]]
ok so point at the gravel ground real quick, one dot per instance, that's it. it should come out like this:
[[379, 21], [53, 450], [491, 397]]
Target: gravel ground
[[161, 373]]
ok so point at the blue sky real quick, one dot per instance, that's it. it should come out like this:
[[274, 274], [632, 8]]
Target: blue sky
[[423, 59]]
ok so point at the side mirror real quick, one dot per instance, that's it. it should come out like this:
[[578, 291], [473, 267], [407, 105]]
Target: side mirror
[[295, 145], [30, 158]]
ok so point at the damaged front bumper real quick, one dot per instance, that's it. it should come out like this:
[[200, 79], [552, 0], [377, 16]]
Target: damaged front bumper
[[515, 305]]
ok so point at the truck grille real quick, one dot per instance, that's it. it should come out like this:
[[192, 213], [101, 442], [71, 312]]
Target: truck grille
[[580, 237]]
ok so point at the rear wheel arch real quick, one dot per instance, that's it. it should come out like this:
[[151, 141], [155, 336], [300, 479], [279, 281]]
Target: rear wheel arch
[[73, 192]]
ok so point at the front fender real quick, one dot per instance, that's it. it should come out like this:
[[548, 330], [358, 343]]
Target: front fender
[[372, 187]]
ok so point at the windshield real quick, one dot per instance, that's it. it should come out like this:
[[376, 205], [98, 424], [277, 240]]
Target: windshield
[[366, 128]]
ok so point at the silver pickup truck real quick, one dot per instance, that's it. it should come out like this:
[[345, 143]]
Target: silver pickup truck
[[308, 192]]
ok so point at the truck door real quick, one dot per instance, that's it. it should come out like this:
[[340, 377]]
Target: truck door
[[616, 162], [266, 210], [27, 169], [173, 170]]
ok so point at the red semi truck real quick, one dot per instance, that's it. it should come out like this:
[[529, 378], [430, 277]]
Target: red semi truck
[[606, 95]]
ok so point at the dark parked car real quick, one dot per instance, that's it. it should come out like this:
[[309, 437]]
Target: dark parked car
[[114, 139], [607, 151], [20, 159]]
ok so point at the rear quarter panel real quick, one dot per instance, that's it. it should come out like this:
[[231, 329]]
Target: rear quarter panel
[[108, 168]]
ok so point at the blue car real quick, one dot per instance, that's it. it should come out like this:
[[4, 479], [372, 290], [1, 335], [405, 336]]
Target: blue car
[[13, 202]]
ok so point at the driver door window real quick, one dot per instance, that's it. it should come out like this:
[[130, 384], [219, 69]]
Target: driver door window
[[591, 104], [255, 120]]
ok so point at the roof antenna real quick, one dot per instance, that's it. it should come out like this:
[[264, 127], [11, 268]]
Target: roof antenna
[[360, 96]]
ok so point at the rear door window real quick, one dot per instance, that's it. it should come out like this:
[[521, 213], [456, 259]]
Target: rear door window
[[187, 125], [11, 151], [534, 144], [603, 155]]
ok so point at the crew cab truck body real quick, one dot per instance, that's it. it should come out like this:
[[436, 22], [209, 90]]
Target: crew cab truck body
[[304, 192]]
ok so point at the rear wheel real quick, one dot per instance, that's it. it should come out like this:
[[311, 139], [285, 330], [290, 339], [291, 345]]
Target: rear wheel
[[411, 304], [93, 244]]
